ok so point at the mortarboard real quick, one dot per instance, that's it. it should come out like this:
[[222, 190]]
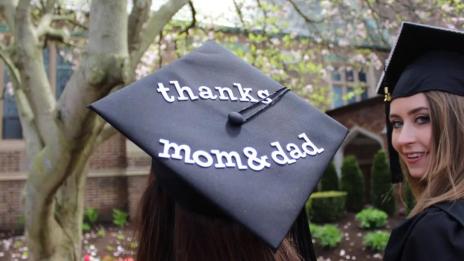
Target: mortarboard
[[227, 139], [424, 58]]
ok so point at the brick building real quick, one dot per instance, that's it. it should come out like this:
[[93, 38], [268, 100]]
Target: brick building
[[117, 176], [366, 122]]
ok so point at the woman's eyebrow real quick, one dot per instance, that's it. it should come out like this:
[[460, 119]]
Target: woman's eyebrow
[[418, 109], [393, 116], [413, 111]]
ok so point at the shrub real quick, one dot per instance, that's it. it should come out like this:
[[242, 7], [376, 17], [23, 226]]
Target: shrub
[[376, 241], [382, 189], [120, 218], [326, 206], [91, 215], [86, 227], [353, 183], [327, 236], [329, 180], [90, 219], [372, 218]]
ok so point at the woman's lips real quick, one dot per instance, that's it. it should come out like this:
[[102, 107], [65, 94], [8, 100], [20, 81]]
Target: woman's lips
[[413, 157]]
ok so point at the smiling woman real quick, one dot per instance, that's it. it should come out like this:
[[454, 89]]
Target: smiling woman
[[412, 132], [445, 168], [428, 133], [425, 127]]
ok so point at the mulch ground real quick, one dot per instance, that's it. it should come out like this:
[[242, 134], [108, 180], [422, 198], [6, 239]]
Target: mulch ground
[[112, 244], [351, 247], [107, 243]]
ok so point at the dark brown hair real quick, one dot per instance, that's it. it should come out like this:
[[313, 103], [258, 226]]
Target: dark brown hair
[[169, 232]]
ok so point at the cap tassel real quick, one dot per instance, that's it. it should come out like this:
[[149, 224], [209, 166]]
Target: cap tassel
[[395, 168], [236, 118]]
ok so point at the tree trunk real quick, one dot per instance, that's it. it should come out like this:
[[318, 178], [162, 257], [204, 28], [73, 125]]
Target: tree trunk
[[61, 135], [54, 222]]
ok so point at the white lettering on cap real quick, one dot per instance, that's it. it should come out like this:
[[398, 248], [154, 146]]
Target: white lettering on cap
[[221, 159]]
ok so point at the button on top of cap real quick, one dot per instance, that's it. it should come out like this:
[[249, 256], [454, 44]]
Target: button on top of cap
[[235, 118]]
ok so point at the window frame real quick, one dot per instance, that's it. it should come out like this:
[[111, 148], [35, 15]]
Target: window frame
[[344, 84], [52, 77]]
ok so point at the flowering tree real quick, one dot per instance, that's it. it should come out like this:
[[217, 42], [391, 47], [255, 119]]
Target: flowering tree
[[370, 24], [259, 36], [297, 53], [62, 134], [362, 32]]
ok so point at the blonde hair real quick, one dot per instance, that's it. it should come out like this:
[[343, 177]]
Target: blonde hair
[[444, 176]]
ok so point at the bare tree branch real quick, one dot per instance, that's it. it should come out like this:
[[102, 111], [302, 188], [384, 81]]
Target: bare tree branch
[[30, 131], [238, 10], [107, 132], [155, 24], [137, 20], [103, 66], [193, 22], [184, 32], [49, 5], [302, 14], [245, 28], [34, 77], [8, 11], [45, 26], [14, 72], [77, 24], [265, 14], [44, 23], [160, 52]]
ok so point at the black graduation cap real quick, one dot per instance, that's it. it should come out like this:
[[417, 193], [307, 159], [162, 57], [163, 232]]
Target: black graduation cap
[[424, 58], [228, 135]]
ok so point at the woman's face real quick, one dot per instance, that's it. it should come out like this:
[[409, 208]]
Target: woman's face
[[412, 132]]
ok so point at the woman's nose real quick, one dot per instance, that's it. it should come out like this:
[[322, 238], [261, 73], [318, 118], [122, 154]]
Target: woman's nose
[[406, 135]]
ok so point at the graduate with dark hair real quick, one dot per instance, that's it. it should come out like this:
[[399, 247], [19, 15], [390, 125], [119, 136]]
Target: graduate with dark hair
[[234, 154], [423, 86]]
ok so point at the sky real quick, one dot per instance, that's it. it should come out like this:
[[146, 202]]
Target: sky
[[208, 12], [221, 12]]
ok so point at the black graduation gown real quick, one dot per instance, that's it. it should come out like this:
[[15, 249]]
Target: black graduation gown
[[436, 234]]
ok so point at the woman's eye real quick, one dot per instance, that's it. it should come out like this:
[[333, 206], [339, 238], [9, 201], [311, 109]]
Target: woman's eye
[[396, 124], [422, 119]]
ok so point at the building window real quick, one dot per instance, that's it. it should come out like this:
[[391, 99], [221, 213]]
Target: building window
[[64, 70], [337, 98], [349, 85], [11, 126], [59, 71]]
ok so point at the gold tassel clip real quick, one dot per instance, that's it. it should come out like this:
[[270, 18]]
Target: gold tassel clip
[[387, 97]]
